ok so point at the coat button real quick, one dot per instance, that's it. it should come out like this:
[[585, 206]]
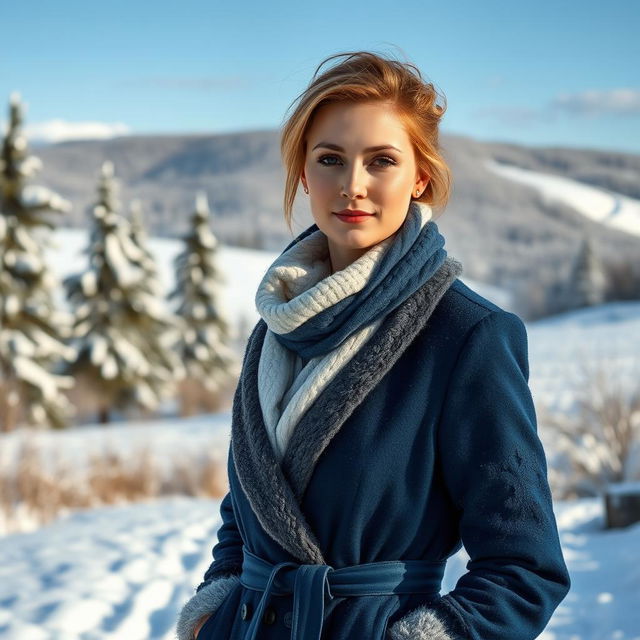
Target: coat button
[[287, 619], [245, 611], [269, 616]]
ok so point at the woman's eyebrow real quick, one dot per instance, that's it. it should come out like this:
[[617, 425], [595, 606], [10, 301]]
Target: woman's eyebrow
[[335, 147]]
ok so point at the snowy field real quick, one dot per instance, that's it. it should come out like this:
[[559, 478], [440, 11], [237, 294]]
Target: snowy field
[[606, 336], [606, 207]]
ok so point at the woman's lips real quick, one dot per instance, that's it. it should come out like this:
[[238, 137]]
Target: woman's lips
[[353, 216]]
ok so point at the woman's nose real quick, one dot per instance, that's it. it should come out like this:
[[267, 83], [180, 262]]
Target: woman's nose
[[354, 183]]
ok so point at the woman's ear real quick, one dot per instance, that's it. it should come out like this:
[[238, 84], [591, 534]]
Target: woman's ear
[[422, 181]]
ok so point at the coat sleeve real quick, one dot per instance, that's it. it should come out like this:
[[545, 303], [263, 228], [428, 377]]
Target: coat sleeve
[[227, 552], [221, 576], [495, 470]]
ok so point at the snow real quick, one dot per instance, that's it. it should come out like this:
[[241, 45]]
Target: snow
[[606, 336], [38, 197], [606, 207], [114, 572], [624, 488], [126, 273], [164, 438]]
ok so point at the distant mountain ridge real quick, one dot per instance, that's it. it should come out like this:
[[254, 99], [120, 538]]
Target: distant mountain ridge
[[503, 232]]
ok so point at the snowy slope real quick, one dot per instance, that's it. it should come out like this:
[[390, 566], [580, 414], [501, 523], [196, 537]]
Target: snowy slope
[[606, 207], [164, 438], [607, 335]]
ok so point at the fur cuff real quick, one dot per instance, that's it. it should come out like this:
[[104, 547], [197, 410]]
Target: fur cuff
[[206, 601], [439, 621]]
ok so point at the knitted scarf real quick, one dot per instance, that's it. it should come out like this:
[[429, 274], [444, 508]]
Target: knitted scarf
[[318, 320]]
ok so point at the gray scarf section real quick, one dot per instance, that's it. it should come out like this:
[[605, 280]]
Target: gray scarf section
[[275, 491]]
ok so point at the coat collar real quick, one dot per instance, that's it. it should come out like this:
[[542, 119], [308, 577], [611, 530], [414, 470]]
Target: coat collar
[[275, 492]]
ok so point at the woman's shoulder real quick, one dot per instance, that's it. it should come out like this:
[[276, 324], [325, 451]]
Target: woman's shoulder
[[462, 308], [463, 301]]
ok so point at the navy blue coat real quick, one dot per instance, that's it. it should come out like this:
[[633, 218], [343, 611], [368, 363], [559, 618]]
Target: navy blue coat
[[432, 444]]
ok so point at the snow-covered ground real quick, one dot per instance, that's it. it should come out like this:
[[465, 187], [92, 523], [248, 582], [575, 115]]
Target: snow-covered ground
[[188, 437], [606, 336], [125, 571], [606, 207]]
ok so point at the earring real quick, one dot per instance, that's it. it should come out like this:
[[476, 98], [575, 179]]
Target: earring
[[306, 190], [417, 192]]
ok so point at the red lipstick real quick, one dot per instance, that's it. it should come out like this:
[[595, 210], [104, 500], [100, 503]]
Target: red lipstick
[[353, 215]]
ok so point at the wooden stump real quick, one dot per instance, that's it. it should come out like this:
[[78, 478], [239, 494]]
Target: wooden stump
[[622, 504]]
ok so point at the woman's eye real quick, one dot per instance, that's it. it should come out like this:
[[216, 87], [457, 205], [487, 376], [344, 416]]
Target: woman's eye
[[387, 161], [320, 160]]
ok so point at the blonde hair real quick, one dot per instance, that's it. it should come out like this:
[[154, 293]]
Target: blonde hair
[[365, 77]]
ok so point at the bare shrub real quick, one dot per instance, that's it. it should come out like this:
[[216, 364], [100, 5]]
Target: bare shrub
[[39, 484], [112, 479], [195, 398], [598, 439], [207, 478]]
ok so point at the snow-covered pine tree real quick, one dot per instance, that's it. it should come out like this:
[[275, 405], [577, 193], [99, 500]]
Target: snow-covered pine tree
[[168, 337], [121, 325], [140, 239], [204, 347], [32, 330], [587, 279]]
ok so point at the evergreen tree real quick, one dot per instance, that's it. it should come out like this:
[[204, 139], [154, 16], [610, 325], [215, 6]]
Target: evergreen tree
[[121, 325], [204, 345], [32, 331], [140, 239], [171, 333], [587, 280]]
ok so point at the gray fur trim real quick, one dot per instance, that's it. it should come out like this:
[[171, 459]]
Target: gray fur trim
[[352, 384], [421, 623], [206, 601], [258, 471], [274, 492]]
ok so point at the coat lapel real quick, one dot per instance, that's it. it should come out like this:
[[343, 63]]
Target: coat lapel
[[275, 492]]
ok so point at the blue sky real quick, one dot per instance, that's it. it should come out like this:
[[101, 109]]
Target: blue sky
[[538, 73]]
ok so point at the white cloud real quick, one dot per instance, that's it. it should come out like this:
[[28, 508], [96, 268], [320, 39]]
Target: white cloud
[[56, 130], [613, 102], [594, 102]]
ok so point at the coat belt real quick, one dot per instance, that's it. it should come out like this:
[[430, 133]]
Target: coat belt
[[310, 582]]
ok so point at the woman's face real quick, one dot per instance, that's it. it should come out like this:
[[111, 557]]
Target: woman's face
[[342, 172]]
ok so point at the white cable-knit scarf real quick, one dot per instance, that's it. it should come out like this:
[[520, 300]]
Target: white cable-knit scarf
[[298, 285]]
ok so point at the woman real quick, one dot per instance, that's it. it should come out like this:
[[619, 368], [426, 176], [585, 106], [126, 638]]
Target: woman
[[383, 416]]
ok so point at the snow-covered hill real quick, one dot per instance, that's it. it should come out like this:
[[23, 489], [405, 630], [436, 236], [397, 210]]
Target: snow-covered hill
[[606, 207]]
